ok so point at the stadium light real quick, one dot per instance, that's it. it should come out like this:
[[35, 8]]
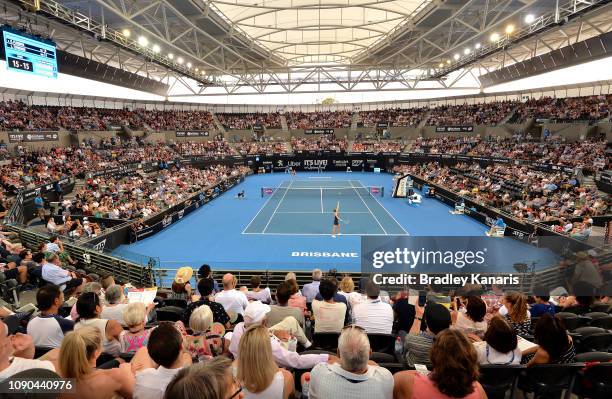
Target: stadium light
[[156, 48], [143, 41], [466, 51], [529, 18], [494, 37], [171, 56], [180, 60], [189, 65], [509, 29], [448, 62], [456, 56], [477, 46], [440, 65], [126, 32], [197, 69]]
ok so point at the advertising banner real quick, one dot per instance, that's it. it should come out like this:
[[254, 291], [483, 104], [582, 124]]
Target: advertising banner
[[31, 137]]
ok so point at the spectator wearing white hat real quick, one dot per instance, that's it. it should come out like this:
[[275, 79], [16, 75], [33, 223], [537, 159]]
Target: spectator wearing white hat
[[255, 314]]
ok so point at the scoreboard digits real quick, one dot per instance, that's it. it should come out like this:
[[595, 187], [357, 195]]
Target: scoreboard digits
[[29, 55]]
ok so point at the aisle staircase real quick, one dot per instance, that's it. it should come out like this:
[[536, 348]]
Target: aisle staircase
[[508, 117], [425, 119], [354, 121], [284, 124], [218, 124]]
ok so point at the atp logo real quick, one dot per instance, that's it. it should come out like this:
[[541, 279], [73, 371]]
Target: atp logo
[[167, 221], [87, 258]]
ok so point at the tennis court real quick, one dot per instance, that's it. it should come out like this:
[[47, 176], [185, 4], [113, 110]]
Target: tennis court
[[305, 207]]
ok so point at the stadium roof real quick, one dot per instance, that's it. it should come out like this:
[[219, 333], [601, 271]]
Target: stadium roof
[[316, 31], [314, 46]]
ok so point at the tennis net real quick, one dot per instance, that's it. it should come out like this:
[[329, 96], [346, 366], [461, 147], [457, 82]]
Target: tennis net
[[375, 191]]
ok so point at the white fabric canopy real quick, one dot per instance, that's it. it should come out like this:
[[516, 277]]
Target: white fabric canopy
[[316, 31]]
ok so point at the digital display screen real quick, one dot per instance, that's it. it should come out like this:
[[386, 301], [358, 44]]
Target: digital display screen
[[29, 55]]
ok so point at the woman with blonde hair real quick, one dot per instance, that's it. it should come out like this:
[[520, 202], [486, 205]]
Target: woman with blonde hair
[[136, 336], [206, 339], [516, 312], [77, 359], [266, 380]]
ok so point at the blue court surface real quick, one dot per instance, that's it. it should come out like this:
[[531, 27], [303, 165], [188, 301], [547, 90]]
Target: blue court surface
[[290, 229], [305, 207]]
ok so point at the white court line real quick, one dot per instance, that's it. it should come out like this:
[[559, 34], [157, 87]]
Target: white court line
[[327, 178], [377, 221], [298, 212], [314, 234], [277, 206], [261, 209], [322, 200], [383, 207]]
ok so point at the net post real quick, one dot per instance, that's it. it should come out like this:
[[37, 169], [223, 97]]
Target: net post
[[382, 191], [262, 192]]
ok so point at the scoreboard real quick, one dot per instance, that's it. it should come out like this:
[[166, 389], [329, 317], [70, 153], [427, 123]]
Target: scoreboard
[[30, 55]]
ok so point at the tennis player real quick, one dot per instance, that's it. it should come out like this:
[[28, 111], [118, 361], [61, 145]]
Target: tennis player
[[336, 228]]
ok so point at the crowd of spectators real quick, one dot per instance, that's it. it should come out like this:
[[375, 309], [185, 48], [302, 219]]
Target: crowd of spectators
[[244, 121], [525, 193], [410, 117], [323, 143], [140, 195], [471, 114], [323, 119], [227, 341], [261, 147], [588, 154], [563, 110], [17, 115], [378, 146]]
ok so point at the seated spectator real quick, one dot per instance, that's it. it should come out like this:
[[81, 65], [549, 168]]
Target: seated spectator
[[329, 315], [541, 306], [516, 313], [555, 346], [53, 273], [115, 304], [48, 328], [89, 309], [234, 302], [311, 290], [471, 321], [373, 315], [418, 343], [500, 345], [78, 353], [403, 312], [297, 300], [206, 338], [258, 294], [205, 272], [181, 287], [282, 309], [165, 348], [266, 380], [454, 371], [88, 287], [10, 362], [255, 314], [134, 318], [354, 376], [347, 289], [210, 380], [206, 288]]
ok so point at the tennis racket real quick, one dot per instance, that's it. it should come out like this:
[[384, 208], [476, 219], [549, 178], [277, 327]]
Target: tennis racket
[[345, 221]]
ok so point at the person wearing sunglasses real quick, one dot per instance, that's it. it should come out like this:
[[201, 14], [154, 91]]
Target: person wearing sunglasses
[[354, 376]]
